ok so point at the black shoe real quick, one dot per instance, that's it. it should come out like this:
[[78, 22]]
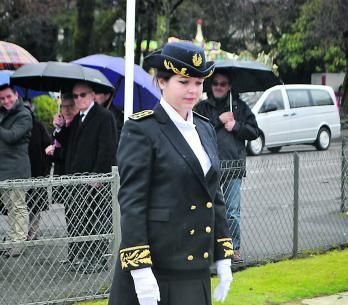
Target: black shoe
[[237, 258]]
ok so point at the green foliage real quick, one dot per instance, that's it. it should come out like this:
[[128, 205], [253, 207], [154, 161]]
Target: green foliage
[[66, 23], [84, 27], [305, 44], [104, 35], [45, 109]]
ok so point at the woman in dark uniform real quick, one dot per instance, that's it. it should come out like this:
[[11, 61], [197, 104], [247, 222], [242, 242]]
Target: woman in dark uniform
[[172, 210]]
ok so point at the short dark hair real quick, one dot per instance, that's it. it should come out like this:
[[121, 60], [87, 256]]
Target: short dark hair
[[223, 73], [67, 95], [8, 86], [166, 75]]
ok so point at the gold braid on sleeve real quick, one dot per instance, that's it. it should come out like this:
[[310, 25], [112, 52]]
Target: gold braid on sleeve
[[135, 257], [226, 244]]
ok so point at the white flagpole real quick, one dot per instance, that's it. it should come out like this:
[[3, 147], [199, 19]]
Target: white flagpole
[[230, 102], [129, 60]]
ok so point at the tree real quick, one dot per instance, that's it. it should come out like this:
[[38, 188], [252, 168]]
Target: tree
[[84, 27], [31, 25], [315, 41]]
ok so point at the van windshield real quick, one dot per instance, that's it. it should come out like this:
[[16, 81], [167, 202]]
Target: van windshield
[[251, 97]]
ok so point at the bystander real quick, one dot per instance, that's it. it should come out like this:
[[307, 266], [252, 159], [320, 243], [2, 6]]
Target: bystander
[[15, 129]]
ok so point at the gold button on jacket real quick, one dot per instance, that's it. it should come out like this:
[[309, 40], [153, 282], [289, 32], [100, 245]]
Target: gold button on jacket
[[163, 198], [209, 205]]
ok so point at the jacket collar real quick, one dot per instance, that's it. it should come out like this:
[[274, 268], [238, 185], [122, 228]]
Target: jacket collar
[[180, 144]]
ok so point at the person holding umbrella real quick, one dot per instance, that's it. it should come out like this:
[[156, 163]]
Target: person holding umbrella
[[89, 144], [172, 210], [234, 124]]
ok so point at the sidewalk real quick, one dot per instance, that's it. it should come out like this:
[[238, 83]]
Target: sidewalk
[[336, 299]]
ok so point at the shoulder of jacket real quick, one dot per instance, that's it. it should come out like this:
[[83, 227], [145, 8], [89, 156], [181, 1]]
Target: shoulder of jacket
[[201, 116], [138, 116]]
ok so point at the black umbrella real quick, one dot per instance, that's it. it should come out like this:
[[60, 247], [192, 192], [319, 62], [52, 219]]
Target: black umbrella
[[248, 76], [58, 76]]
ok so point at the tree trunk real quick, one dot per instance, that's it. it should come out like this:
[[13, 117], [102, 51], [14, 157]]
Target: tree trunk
[[84, 27]]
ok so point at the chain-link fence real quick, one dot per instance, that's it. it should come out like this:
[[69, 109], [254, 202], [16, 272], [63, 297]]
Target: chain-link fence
[[68, 253], [289, 204]]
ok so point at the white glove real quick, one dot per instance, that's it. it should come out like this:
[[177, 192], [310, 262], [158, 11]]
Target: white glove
[[223, 268], [146, 286]]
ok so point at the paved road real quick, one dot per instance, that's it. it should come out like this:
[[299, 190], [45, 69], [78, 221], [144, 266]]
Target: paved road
[[268, 202]]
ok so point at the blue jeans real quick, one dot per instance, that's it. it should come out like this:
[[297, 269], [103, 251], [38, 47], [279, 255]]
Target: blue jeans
[[231, 190]]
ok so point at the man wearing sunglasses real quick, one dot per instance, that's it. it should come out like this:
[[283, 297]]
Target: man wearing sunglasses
[[234, 124], [89, 147]]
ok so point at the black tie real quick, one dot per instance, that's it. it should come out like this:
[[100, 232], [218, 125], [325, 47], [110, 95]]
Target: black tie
[[81, 119]]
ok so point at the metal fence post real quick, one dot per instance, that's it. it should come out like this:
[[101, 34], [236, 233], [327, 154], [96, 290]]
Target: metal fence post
[[343, 176], [296, 204], [116, 219]]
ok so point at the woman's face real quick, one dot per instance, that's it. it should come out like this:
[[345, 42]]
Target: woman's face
[[182, 93]]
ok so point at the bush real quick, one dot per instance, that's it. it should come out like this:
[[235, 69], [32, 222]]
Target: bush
[[45, 109]]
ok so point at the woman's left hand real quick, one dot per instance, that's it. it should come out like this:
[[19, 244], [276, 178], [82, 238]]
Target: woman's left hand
[[224, 273]]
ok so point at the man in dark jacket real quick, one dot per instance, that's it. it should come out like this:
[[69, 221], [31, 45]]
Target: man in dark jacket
[[37, 198], [104, 98], [89, 147], [234, 124], [15, 129]]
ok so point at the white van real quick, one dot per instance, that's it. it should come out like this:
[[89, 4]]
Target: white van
[[296, 114]]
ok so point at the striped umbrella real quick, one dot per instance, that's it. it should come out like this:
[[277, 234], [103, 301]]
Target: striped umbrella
[[13, 56]]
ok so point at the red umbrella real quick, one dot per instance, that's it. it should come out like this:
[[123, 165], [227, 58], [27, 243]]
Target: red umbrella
[[13, 56]]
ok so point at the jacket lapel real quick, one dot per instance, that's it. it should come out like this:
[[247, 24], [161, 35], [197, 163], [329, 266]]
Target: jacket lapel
[[179, 143], [207, 143], [87, 119]]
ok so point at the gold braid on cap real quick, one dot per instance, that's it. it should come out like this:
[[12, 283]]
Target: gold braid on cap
[[197, 60], [169, 66], [210, 73]]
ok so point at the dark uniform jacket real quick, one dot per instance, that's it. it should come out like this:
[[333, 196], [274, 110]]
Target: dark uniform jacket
[[15, 130], [172, 216], [231, 144], [90, 146]]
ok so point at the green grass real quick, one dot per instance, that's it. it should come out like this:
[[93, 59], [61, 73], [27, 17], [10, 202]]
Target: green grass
[[285, 281]]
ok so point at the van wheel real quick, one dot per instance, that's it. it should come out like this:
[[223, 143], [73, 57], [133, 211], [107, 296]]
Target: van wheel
[[323, 139], [255, 147], [274, 150]]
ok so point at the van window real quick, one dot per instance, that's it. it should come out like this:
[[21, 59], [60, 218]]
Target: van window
[[299, 98], [321, 98], [274, 101]]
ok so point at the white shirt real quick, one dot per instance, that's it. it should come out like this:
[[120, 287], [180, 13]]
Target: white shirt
[[189, 132], [84, 113]]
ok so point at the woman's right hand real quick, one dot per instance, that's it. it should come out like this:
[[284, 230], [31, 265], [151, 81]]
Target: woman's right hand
[[146, 286], [58, 121], [226, 117], [49, 150]]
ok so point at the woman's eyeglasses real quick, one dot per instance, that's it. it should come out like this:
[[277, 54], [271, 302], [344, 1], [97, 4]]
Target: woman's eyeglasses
[[82, 94], [221, 84]]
